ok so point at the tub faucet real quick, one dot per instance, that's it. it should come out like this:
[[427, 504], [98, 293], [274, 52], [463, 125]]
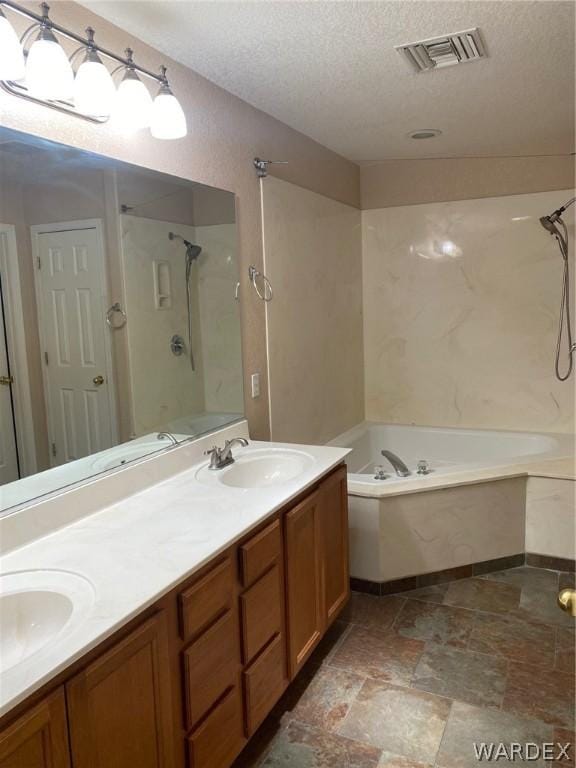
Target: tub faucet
[[222, 457], [399, 467], [167, 436]]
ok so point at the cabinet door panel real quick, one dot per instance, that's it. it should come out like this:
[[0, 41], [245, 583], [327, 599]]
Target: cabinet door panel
[[120, 707], [39, 739], [303, 587], [333, 510]]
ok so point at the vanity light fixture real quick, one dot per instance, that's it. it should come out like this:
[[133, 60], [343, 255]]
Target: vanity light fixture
[[94, 89], [43, 73], [49, 74], [11, 52], [133, 104], [168, 120]]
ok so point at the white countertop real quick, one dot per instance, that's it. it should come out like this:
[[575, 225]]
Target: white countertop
[[136, 550]]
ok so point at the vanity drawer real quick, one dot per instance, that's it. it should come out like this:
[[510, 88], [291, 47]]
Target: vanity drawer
[[258, 554], [220, 738], [204, 601], [211, 666], [264, 683], [261, 608]]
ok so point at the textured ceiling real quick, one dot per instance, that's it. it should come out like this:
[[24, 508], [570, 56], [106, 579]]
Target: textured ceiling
[[329, 69]]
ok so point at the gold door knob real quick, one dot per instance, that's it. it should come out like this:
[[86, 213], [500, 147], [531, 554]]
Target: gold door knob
[[98, 380], [567, 601], [6, 380]]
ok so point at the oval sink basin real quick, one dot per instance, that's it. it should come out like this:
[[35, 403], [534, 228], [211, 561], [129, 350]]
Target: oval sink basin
[[36, 607], [259, 469]]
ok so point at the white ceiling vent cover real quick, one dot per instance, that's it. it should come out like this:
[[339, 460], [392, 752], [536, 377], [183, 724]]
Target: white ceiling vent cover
[[444, 51]]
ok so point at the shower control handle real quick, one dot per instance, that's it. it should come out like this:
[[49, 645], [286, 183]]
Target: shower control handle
[[98, 380]]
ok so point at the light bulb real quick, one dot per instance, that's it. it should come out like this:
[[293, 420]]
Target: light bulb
[[11, 54], [133, 104], [94, 89], [49, 74], [168, 118]]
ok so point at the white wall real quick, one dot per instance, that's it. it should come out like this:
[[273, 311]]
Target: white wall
[[461, 306], [312, 256]]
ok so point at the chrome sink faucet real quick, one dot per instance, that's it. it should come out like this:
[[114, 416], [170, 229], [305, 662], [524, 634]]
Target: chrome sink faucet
[[222, 457], [399, 467]]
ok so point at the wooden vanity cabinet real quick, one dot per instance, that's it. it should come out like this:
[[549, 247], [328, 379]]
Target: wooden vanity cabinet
[[334, 565], [38, 739], [190, 683], [317, 574]]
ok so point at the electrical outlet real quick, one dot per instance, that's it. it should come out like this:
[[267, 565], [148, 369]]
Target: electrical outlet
[[255, 381]]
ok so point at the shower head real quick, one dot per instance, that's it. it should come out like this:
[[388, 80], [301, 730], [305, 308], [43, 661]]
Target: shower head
[[549, 225], [192, 251]]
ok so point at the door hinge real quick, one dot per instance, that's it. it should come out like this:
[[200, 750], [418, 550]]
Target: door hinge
[[38, 262], [46, 357], [53, 449]]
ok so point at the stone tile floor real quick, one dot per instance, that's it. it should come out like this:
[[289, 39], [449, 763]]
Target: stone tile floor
[[413, 680]]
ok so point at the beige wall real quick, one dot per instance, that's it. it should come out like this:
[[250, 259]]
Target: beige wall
[[225, 134], [550, 519], [461, 306], [409, 182], [313, 259]]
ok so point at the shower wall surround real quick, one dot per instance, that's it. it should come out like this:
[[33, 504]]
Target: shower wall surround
[[163, 386], [461, 307], [313, 258]]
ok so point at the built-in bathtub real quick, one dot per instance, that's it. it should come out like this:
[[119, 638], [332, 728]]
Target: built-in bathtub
[[469, 510]]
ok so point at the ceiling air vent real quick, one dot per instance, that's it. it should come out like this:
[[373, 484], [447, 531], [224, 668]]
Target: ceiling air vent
[[444, 51]]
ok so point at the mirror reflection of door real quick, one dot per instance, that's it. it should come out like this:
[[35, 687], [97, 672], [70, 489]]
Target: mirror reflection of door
[[8, 452], [76, 364]]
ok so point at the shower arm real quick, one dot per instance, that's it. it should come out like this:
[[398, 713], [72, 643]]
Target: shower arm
[[555, 215]]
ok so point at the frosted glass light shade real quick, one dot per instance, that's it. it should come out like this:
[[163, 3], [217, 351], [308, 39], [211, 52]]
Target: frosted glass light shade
[[133, 104], [49, 74], [94, 90], [11, 54], [168, 118]]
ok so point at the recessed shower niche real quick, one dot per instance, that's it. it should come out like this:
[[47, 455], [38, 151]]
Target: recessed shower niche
[[103, 265]]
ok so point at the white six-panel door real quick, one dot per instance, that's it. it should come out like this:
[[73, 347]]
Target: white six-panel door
[[8, 455], [71, 290]]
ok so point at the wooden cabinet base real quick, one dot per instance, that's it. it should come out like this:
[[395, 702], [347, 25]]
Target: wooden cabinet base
[[39, 739]]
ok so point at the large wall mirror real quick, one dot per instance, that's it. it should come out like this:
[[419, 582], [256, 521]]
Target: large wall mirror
[[119, 319]]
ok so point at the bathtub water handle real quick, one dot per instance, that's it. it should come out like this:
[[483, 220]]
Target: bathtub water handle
[[379, 473], [423, 468]]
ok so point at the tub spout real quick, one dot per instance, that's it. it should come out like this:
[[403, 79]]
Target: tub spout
[[399, 467]]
